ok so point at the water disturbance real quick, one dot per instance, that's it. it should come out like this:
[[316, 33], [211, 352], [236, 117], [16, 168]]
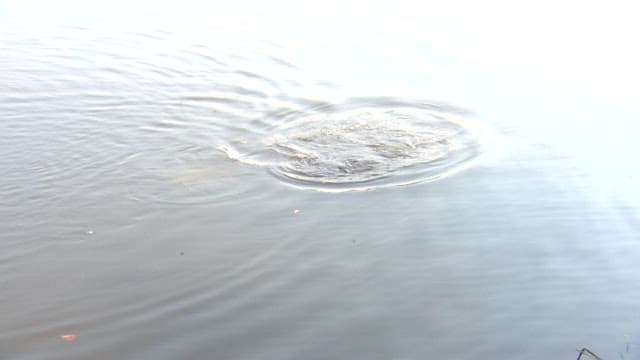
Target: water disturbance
[[363, 144], [230, 180]]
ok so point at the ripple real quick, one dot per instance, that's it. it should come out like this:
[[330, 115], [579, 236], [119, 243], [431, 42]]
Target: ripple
[[188, 179], [364, 144]]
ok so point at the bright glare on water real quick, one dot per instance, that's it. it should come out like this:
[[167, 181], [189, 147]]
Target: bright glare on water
[[273, 180]]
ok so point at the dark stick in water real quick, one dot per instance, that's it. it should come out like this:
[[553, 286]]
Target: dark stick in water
[[589, 353]]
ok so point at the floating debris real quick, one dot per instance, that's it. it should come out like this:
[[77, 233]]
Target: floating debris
[[68, 337]]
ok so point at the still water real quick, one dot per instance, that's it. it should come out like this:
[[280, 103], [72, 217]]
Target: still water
[[341, 182]]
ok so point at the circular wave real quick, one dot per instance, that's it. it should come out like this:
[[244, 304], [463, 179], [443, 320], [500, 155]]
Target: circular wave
[[186, 180], [365, 144]]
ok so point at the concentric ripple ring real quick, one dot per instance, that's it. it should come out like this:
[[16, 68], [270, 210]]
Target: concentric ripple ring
[[367, 144]]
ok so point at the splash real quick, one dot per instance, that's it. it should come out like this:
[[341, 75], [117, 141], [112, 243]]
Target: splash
[[364, 145]]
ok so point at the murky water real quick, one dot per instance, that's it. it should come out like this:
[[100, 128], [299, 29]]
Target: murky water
[[247, 182]]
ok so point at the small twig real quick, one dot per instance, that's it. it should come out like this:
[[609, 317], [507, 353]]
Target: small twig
[[589, 353]]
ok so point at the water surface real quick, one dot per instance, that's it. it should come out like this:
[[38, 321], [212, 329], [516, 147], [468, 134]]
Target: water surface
[[247, 182]]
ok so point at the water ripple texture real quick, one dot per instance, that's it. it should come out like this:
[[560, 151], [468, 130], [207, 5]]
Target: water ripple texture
[[363, 144]]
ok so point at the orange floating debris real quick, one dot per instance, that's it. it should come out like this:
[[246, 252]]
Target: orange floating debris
[[68, 337]]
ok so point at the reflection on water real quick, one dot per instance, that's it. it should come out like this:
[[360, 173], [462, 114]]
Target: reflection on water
[[126, 226]]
